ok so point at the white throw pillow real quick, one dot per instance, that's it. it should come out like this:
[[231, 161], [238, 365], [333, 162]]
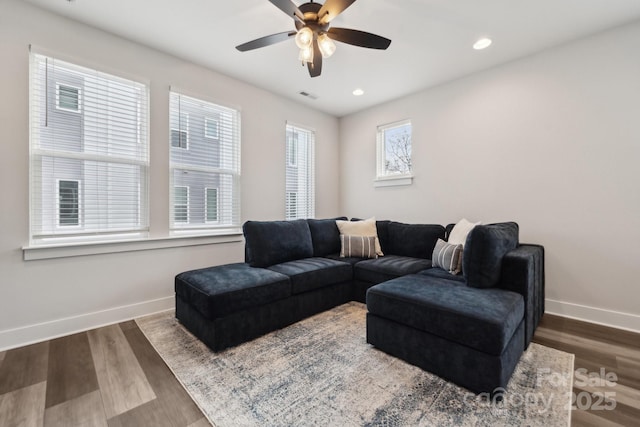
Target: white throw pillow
[[460, 231], [361, 228]]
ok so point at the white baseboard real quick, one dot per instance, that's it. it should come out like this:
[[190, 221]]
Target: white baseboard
[[31, 334], [614, 319]]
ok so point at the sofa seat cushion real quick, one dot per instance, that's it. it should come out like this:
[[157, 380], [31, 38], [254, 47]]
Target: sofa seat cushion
[[349, 260], [222, 290], [314, 273], [443, 274], [388, 267], [483, 319]]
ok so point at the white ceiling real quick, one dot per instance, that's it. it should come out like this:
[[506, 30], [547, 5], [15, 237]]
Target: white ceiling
[[431, 39]]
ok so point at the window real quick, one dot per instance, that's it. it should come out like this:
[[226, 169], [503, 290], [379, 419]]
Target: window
[[181, 204], [68, 203], [211, 204], [180, 134], [68, 98], [88, 171], [300, 176], [394, 150], [210, 167], [211, 129]]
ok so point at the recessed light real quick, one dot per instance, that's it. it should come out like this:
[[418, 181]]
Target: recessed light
[[358, 92], [482, 44]]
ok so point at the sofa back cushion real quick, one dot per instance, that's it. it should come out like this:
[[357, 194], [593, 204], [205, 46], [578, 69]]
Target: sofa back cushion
[[383, 233], [484, 249], [412, 240], [325, 236], [273, 242]]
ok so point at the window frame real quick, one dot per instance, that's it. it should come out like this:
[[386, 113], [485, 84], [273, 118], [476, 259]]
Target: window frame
[[59, 225], [180, 131], [383, 177], [176, 205], [206, 205], [208, 164], [70, 110], [206, 127], [302, 181], [52, 139]]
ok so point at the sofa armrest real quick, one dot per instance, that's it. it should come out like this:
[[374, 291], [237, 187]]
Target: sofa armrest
[[523, 272]]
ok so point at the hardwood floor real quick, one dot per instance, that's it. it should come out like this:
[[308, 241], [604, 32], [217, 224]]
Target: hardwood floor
[[113, 377], [607, 362], [109, 376]]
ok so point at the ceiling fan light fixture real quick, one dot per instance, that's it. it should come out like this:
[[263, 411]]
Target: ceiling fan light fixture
[[326, 45], [304, 38], [306, 54]]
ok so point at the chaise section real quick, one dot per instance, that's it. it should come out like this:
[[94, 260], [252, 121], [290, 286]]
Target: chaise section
[[230, 304], [473, 337], [218, 291]]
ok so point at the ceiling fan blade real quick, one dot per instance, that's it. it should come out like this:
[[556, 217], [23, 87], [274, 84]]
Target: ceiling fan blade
[[332, 8], [358, 38], [315, 67], [265, 41], [289, 8]]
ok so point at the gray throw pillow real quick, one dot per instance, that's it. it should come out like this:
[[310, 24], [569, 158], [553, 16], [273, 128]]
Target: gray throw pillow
[[358, 246], [447, 256]]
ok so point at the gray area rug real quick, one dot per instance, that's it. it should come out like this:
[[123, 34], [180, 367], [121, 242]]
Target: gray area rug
[[321, 371]]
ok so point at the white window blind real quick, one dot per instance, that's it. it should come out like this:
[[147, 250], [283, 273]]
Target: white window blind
[[89, 153], [300, 175], [209, 165]]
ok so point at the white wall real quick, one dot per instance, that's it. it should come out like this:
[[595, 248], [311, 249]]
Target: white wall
[[551, 141], [40, 299]]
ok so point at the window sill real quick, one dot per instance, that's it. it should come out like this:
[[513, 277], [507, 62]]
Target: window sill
[[38, 252], [393, 181]]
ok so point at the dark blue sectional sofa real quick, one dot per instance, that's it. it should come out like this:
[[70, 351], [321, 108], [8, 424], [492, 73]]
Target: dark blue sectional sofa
[[470, 328]]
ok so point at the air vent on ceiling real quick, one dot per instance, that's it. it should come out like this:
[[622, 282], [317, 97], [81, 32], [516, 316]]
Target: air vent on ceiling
[[308, 95]]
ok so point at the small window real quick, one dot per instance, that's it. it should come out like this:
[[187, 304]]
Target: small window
[[394, 150], [180, 132], [211, 128], [212, 204], [68, 98], [181, 204], [179, 138], [68, 203]]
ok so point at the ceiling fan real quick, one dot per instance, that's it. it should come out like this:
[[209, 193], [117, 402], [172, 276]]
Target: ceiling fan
[[313, 35]]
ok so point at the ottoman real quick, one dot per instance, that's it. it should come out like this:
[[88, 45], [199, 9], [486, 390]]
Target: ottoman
[[473, 337], [229, 304]]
